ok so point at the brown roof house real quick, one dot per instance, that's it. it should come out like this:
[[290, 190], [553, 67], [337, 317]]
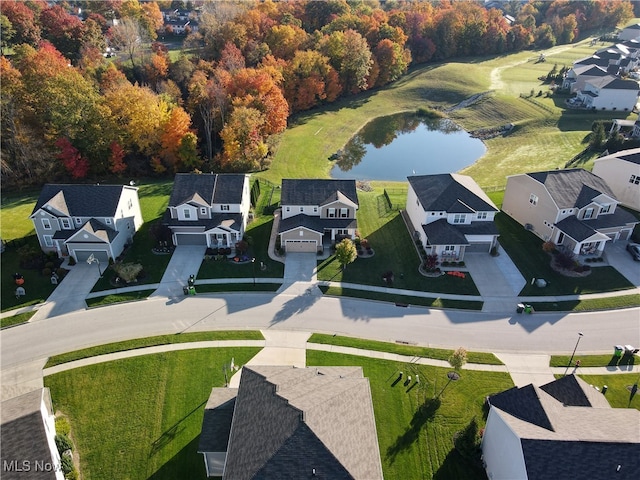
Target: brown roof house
[[564, 429], [286, 422], [28, 438]]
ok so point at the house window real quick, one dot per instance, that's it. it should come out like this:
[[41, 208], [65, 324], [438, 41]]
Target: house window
[[46, 223], [482, 215], [560, 238], [449, 248], [203, 211], [459, 218], [130, 204], [288, 209], [331, 213], [66, 223], [635, 179], [605, 208], [533, 199], [224, 208], [342, 231], [302, 209], [48, 241], [186, 213], [78, 220], [315, 209], [344, 213], [107, 221], [588, 213]]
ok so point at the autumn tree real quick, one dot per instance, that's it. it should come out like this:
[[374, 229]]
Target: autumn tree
[[65, 31], [244, 146], [346, 252], [73, 161], [128, 36], [175, 128], [116, 158], [24, 23], [349, 54], [309, 80], [393, 61]]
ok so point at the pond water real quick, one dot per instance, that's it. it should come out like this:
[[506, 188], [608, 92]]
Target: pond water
[[395, 147]]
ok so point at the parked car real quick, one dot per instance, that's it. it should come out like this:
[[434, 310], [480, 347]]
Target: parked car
[[634, 250]]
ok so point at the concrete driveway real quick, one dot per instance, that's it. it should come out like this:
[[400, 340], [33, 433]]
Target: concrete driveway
[[185, 261], [69, 295], [617, 256]]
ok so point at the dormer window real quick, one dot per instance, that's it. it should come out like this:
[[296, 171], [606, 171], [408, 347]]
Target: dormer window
[[66, 223], [331, 212], [203, 211], [588, 213], [344, 213], [481, 215], [78, 221], [186, 213], [605, 208], [224, 208], [459, 218]]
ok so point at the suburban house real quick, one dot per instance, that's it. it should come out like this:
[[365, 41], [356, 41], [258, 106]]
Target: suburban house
[[179, 21], [564, 429], [287, 422], [28, 438], [451, 215], [84, 220], [621, 171], [576, 77], [315, 212], [631, 32], [607, 93], [572, 208], [208, 209]]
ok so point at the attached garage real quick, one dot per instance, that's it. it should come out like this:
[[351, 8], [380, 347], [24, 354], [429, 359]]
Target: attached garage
[[83, 255], [478, 248], [301, 246], [190, 239]]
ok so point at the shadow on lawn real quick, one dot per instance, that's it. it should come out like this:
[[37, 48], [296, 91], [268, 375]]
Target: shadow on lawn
[[425, 413], [169, 434], [186, 464]]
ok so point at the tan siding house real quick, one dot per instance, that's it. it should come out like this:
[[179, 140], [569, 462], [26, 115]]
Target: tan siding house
[[621, 171], [572, 208]]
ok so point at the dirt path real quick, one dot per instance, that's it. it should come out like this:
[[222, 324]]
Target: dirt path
[[496, 73]]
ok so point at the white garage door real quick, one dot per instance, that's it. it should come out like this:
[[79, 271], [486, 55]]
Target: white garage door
[[301, 246]]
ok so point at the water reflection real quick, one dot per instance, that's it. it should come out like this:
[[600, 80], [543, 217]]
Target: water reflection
[[406, 144]]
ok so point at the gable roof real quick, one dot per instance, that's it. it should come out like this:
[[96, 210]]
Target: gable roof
[[24, 436], [81, 200], [573, 187], [589, 70], [632, 155], [450, 192], [566, 423], [613, 83], [207, 189], [289, 421], [317, 192]]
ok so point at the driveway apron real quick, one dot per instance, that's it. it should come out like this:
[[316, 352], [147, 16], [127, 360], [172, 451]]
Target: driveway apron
[[185, 261], [497, 278], [617, 256], [70, 293]]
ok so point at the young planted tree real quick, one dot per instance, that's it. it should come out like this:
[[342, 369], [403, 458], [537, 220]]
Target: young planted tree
[[458, 359], [346, 252]]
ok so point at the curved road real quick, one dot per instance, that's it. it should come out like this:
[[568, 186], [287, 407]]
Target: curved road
[[541, 332]]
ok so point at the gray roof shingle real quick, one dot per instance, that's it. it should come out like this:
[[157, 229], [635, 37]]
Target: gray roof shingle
[[316, 224], [212, 188], [567, 187], [82, 200], [316, 192], [450, 192], [288, 421], [23, 436], [587, 439]]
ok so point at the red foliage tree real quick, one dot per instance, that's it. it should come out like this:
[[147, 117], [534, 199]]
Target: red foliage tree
[[116, 158], [74, 163]]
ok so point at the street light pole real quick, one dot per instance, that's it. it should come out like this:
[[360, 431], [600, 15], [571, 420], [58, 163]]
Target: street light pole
[[574, 352]]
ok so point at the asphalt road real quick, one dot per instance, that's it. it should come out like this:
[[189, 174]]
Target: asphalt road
[[540, 332]]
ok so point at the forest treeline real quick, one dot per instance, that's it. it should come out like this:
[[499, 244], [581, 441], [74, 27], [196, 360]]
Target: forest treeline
[[70, 110]]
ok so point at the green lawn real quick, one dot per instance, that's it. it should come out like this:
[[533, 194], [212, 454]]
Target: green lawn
[[118, 298], [433, 302], [151, 342], [589, 305], [594, 360], [16, 319], [618, 388], [425, 352], [525, 249], [415, 430], [140, 418], [237, 287], [394, 251]]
